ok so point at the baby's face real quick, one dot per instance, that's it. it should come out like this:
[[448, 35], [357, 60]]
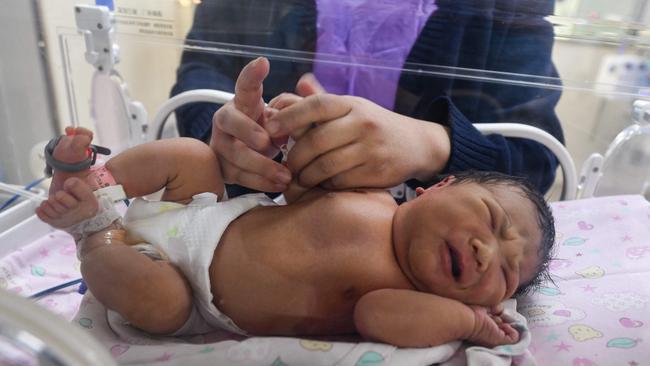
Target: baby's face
[[468, 242]]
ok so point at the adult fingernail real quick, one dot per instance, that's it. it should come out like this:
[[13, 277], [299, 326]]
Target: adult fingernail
[[283, 177]]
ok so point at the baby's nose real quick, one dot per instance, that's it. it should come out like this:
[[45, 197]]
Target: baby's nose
[[483, 252]]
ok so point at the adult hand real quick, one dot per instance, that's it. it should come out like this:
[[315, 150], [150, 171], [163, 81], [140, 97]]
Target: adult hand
[[348, 142], [490, 329], [243, 147]]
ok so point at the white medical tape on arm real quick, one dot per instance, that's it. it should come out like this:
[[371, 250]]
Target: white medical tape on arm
[[105, 216]]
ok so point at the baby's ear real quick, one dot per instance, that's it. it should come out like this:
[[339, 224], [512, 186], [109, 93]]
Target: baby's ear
[[443, 183], [419, 191]]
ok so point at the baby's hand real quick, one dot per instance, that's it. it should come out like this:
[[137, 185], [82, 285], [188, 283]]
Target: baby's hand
[[490, 329], [276, 104]]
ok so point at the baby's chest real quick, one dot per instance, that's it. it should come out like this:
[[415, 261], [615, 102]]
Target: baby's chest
[[326, 240]]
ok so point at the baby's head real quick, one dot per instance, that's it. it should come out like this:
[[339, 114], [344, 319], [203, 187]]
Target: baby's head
[[478, 237]]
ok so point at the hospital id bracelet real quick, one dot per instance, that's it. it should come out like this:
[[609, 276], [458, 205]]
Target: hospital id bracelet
[[113, 193], [100, 177]]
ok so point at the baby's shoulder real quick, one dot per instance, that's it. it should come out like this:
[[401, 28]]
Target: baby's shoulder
[[367, 204], [380, 196]]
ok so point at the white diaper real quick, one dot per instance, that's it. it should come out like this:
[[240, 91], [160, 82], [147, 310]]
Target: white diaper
[[187, 236]]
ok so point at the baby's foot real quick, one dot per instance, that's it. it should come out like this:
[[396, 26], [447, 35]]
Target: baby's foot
[[70, 205], [72, 148]]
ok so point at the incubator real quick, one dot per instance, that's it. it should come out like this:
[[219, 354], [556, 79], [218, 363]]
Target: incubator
[[568, 79]]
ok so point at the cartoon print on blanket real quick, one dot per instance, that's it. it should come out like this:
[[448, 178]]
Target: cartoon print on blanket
[[598, 301]]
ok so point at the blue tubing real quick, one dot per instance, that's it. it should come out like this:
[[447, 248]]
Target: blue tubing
[[56, 288]]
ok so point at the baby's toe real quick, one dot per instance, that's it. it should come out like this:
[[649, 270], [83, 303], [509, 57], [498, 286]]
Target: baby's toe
[[71, 130], [80, 142], [83, 131]]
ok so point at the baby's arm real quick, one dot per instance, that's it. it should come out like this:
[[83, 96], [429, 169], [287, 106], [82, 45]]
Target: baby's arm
[[407, 318], [183, 166]]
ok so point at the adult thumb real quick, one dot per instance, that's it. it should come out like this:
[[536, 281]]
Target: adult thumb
[[248, 88]]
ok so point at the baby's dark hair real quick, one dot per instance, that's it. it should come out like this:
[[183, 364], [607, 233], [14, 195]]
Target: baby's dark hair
[[544, 215]]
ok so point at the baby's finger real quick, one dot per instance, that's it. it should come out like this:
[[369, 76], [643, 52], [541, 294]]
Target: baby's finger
[[496, 309], [284, 100], [497, 319], [57, 206], [293, 192], [511, 333], [269, 112], [66, 199], [78, 189], [47, 209], [40, 212]]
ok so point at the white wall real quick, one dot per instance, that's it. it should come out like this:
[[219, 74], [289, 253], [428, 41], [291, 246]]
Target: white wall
[[26, 114]]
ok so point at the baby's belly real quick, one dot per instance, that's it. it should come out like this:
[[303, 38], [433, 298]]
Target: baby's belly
[[308, 282], [297, 299], [296, 309]]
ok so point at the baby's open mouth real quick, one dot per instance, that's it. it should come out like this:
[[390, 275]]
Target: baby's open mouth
[[455, 266]]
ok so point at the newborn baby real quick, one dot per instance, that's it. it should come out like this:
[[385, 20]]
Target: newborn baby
[[424, 273]]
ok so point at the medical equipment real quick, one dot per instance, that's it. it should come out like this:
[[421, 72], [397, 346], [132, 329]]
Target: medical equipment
[[628, 152], [110, 99], [13, 199], [21, 192]]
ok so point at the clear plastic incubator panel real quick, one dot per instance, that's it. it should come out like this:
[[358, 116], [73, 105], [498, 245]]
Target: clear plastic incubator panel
[[573, 71]]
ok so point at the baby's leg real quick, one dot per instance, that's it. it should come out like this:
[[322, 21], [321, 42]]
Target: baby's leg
[[151, 295]]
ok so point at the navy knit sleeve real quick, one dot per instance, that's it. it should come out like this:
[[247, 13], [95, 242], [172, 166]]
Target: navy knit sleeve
[[502, 40], [214, 21], [472, 150]]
